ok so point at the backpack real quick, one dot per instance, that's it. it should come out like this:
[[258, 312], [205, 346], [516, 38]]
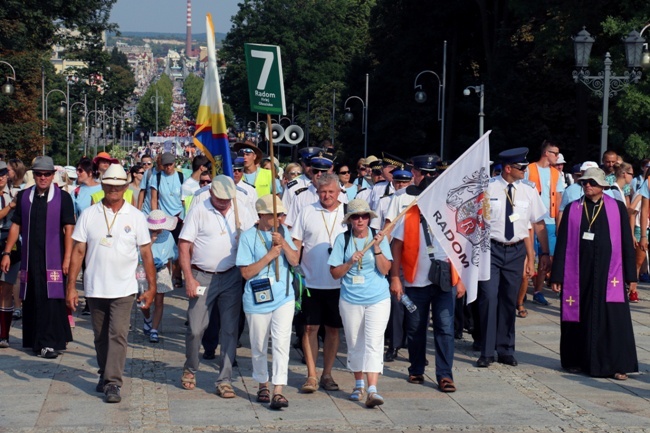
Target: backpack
[[159, 175]]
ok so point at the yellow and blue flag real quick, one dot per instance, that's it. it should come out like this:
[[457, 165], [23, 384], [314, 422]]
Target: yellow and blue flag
[[211, 135]]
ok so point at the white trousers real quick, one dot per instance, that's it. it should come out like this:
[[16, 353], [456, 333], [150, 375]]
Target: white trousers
[[364, 327], [277, 324]]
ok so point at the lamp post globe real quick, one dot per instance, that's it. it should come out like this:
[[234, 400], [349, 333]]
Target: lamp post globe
[[349, 117], [7, 89], [421, 97], [61, 110]]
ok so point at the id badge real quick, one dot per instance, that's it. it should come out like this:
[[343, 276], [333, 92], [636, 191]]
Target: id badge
[[514, 217], [588, 236], [106, 242], [262, 292], [358, 279]]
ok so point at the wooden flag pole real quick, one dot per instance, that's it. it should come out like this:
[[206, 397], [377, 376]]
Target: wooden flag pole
[[273, 191], [389, 227]]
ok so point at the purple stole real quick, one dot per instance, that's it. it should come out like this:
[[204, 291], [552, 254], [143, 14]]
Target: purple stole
[[53, 262], [571, 285]]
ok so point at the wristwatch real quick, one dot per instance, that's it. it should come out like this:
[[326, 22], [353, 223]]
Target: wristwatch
[[5, 253]]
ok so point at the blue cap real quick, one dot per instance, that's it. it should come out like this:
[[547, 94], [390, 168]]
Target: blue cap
[[401, 174], [320, 163], [514, 156], [425, 162], [306, 153], [238, 162]]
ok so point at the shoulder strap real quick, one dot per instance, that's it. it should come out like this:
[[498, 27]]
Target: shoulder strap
[[158, 176], [427, 237]]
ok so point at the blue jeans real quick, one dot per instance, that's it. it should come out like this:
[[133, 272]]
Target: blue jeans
[[442, 304]]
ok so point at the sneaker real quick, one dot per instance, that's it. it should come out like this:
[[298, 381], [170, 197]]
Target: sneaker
[[153, 336], [112, 393], [538, 298], [4, 343], [100, 384], [49, 353], [18, 314]]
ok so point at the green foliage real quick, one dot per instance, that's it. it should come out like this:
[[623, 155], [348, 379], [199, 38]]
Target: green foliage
[[193, 87], [160, 92]]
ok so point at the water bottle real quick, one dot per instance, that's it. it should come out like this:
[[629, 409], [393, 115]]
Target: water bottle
[[410, 306], [141, 277]]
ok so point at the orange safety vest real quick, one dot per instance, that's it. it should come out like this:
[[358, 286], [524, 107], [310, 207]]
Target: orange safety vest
[[533, 176]]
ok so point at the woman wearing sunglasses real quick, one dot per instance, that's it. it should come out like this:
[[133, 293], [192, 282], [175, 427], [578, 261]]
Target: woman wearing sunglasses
[[137, 173], [365, 299], [343, 171]]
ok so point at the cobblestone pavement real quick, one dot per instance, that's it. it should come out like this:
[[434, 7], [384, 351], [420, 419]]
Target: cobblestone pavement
[[537, 396]]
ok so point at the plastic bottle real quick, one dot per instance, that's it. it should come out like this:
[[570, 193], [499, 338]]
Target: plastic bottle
[[141, 277], [410, 306]]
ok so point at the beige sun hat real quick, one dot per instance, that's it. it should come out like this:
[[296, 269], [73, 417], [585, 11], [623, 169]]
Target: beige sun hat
[[595, 174], [223, 187], [358, 206], [159, 220], [264, 205], [115, 175]]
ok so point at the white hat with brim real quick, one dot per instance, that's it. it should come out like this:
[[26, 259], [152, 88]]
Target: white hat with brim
[[597, 175], [560, 159], [358, 206], [159, 220], [223, 187], [71, 171], [264, 205], [115, 175]]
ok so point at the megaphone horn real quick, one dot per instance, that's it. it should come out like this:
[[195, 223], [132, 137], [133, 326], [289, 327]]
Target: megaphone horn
[[278, 132], [294, 134]]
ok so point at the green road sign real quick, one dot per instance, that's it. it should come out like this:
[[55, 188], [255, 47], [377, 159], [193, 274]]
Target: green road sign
[[265, 83]]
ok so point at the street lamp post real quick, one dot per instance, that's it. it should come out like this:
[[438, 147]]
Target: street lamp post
[[63, 111], [364, 121], [8, 88], [421, 96], [604, 85], [480, 91], [157, 100]]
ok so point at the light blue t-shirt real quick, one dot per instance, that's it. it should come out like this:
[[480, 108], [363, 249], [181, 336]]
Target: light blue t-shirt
[[351, 192], [375, 285], [644, 189], [164, 248], [82, 198], [545, 180], [169, 193], [147, 179], [250, 250]]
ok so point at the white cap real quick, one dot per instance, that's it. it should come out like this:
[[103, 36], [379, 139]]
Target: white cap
[[560, 159], [588, 164]]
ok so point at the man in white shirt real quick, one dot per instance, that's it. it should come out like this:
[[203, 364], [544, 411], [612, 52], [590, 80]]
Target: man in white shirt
[[207, 252], [315, 231], [246, 192], [191, 185], [109, 234]]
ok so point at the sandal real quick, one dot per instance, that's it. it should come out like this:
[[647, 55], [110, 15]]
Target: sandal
[[263, 395], [279, 401], [357, 394], [416, 378], [328, 384], [521, 311], [446, 385], [153, 336], [620, 376], [311, 385], [374, 399], [147, 326], [178, 283], [224, 390], [188, 380]]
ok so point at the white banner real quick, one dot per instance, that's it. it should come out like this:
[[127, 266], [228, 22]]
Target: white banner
[[459, 222]]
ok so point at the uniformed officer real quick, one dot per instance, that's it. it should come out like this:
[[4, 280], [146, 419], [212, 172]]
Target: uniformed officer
[[384, 187], [514, 203], [374, 167], [306, 153]]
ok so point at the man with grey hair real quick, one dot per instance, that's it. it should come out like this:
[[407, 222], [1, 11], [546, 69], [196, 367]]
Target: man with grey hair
[[314, 232], [211, 277]]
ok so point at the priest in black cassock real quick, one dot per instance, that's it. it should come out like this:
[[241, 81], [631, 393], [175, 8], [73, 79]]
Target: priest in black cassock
[[594, 259]]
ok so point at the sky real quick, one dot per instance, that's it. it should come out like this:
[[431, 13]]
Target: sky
[[168, 16]]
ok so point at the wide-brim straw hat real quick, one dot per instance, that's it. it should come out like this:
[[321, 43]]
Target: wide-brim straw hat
[[264, 205], [358, 206], [159, 220]]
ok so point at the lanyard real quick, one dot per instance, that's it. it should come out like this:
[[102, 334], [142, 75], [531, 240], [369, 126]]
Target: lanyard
[[354, 239], [597, 208], [329, 230], [259, 235], [109, 227]]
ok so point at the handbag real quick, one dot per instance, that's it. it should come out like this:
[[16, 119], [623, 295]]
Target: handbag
[[440, 270]]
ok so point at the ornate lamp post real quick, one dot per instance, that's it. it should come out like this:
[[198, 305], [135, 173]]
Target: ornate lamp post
[[604, 85], [8, 88], [364, 120], [480, 91], [421, 96]]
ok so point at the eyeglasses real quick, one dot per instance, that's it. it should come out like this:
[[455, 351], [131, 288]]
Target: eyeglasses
[[362, 168], [43, 173], [590, 182], [147, 163], [204, 182], [365, 216], [237, 169], [344, 172], [553, 152], [295, 173]]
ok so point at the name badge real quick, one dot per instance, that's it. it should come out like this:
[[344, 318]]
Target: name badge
[[358, 279], [513, 217], [106, 242], [588, 236]]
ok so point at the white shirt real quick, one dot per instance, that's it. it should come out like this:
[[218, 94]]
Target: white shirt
[[528, 207], [317, 228], [289, 193], [364, 194], [304, 199], [111, 262], [400, 200], [213, 236], [381, 211], [247, 194], [189, 187], [378, 191]]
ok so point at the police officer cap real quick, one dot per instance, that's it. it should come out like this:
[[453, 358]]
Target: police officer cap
[[306, 153], [238, 162], [425, 162], [320, 162], [443, 165], [514, 156], [401, 174], [388, 159]]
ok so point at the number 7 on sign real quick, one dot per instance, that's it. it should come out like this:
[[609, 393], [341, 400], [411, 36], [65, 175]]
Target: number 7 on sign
[[266, 69]]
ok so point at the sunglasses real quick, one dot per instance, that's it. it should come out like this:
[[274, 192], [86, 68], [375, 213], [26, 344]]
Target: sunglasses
[[140, 172], [553, 152], [320, 170], [168, 165], [204, 182], [519, 167], [365, 216], [246, 151], [147, 163], [295, 173], [344, 172], [362, 167], [237, 169], [376, 172], [43, 173], [589, 182]]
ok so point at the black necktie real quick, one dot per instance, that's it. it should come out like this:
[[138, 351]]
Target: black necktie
[[510, 229]]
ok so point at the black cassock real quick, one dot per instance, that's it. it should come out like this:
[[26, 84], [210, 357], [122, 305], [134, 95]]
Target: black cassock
[[602, 343]]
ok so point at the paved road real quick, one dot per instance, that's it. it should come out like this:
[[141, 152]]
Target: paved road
[[537, 396]]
